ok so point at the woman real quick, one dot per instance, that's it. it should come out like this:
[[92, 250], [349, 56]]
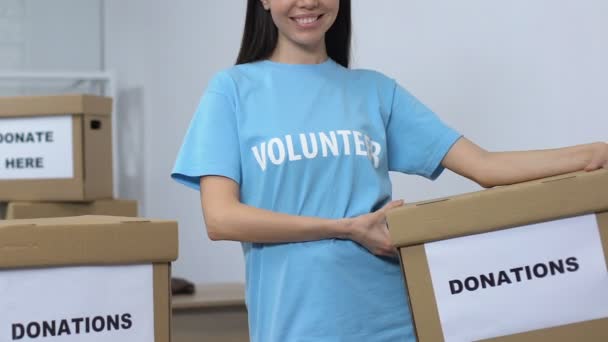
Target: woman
[[291, 152]]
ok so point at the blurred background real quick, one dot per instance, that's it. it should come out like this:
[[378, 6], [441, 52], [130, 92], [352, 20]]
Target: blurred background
[[507, 74]]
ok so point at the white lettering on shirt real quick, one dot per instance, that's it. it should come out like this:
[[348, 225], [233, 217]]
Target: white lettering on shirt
[[376, 149], [330, 143], [359, 144], [276, 160], [260, 155], [281, 150], [290, 153], [313, 141], [345, 135]]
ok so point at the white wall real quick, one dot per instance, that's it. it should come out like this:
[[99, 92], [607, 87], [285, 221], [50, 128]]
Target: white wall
[[509, 75], [163, 53], [56, 35]]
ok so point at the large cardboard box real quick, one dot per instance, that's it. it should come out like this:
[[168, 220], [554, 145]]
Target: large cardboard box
[[56, 148], [517, 263], [28, 210], [87, 278]]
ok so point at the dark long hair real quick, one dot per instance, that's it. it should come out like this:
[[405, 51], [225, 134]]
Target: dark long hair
[[260, 35]]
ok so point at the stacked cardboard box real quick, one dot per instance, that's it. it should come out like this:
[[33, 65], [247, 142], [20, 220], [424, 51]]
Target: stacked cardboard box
[[86, 278], [64, 276], [518, 263], [56, 154], [27, 209]]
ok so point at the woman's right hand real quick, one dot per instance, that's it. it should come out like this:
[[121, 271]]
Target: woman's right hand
[[370, 231]]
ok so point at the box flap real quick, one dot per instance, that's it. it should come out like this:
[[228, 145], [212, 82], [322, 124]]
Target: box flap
[[54, 105], [86, 240], [27, 210], [77, 221], [499, 208]]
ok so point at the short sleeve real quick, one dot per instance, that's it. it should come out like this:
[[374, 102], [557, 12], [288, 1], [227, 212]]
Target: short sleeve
[[417, 139], [211, 144]]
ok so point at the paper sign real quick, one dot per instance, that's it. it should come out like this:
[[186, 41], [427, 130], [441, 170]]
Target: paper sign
[[87, 304], [36, 148], [521, 279]]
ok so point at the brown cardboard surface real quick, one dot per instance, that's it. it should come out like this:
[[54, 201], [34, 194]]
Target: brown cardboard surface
[[589, 331], [86, 240], [54, 105], [499, 208], [97, 157], [162, 302], [26, 210], [92, 149], [422, 304]]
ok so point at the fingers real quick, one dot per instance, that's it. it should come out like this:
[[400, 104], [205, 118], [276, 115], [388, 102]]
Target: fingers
[[392, 205], [386, 251], [391, 252], [395, 253], [594, 165], [600, 157]]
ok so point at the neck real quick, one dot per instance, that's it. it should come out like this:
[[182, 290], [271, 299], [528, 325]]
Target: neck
[[290, 53]]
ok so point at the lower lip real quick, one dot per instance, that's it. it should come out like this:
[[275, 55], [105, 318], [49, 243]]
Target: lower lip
[[314, 24]]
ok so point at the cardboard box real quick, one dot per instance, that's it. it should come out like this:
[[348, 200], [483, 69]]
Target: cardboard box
[[28, 210], [56, 148], [87, 277], [525, 262]]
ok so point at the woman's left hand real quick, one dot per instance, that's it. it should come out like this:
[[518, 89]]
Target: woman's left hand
[[599, 157]]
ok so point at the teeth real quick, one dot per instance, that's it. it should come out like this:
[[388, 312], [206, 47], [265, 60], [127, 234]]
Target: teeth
[[306, 20]]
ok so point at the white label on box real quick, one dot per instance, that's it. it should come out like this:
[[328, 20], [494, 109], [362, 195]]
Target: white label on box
[[36, 148], [69, 304], [521, 279]]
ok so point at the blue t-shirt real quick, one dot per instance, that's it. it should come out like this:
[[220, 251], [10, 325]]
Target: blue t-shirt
[[315, 140]]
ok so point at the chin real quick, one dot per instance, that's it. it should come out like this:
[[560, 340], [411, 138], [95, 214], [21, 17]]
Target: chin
[[308, 42]]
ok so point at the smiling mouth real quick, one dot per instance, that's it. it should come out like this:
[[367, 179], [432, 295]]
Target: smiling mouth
[[307, 20]]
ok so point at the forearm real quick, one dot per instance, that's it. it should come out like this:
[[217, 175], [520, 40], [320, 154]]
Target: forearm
[[501, 168], [227, 218], [240, 222]]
